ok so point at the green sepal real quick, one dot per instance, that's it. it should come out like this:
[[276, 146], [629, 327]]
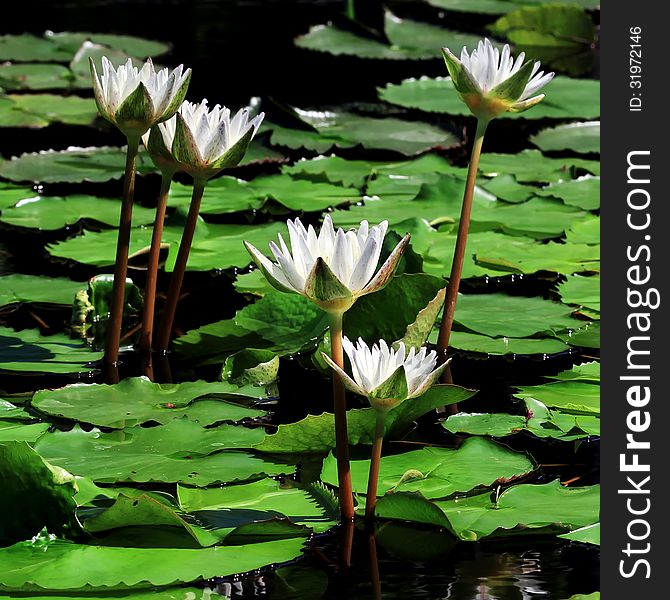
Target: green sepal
[[395, 387], [136, 113], [322, 285], [184, 148], [234, 154], [159, 152], [178, 99], [417, 332], [511, 89], [460, 76]]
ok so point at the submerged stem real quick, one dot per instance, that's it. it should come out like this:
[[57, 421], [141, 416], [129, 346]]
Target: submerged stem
[[373, 477], [167, 320], [121, 263], [152, 276], [340, 408], [459, 252]]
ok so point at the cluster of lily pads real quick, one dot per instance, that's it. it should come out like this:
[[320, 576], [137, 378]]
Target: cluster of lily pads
[[177, 483]]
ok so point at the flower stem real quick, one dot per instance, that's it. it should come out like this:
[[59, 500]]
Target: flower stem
[[152, 276], [459, 252], [341, 436], [371, 498], [121, 263], [165, 329], [351, 10]]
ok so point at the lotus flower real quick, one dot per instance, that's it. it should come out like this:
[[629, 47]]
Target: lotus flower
[[387, 377], [491, 82], [136, 99], [202, 141], [332, 269]]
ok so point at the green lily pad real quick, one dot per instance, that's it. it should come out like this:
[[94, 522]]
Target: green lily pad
[[582, 291], [48, 213], [583, 192], [586, 231], [497, 315], [346, 130], [507, 188], [252, 367], [572, 396], [131, 45], [409, 40], [37, 495], [496, 7], [34, 289], [585, 372], [566, 98], [438, 472], [58, 565], [180, 452], [564, 26], [473, 342], [587, 535], [401, 300], [281, 322], [72, 166], [141, 401], [27, 351], [332, 169], [13, 431], [316, 433], [547, 508], [35, 77], [532, 166], [41, 110], [31, 48], [236, 505], [583, 138]]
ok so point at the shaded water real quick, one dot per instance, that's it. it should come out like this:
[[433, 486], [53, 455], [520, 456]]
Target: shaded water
[[243, 48]]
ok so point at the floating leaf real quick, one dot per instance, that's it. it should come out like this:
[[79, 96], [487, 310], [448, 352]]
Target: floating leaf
[[316, 433], [409, 40], [63, 565], [282, 323], [547, 508], [40, 110], [586, 231], [585, 372], [12, 431], [532, 166], [17, 288], [438, 472], [235, 505], [137, 400], [36, 495], [497, 7], [583, 192], [14, 77], [587, 535], [48, 213], [472, 342], [580, 290], [31, 48], [566, 98], [179, 452], [576, 397], [346, 130], [73, 165], [579, 137], [498, 315], [27, 351], [250, 366], [562, 26]]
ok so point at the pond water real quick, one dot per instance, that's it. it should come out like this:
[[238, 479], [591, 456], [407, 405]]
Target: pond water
[[239, 49]]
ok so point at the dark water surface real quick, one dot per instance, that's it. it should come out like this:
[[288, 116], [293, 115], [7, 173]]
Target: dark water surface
[[244, 48]]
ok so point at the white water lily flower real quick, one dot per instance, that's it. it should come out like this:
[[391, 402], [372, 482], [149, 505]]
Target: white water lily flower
[[387, 377], [332, 269], [136, 99], [202, 141], [491, 82]]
